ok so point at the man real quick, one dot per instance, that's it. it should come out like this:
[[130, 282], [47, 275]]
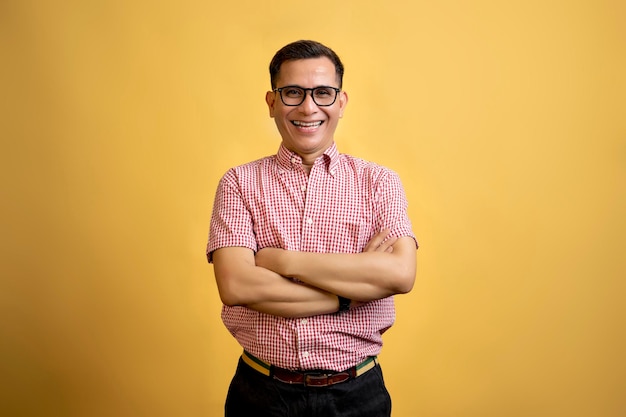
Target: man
[[308, 247]]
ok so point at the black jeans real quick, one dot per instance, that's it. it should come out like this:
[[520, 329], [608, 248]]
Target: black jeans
[[252, 394]]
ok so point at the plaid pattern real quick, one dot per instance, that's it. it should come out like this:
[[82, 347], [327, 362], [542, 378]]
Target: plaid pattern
[[344, 201]]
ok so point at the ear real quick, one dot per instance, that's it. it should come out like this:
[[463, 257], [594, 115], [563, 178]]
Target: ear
[[270, 99], [343, 102]]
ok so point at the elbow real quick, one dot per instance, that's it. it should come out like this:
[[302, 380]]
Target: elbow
[[228, 300], [405, 279], [404, 266], [228, 294], [405, 284], [231, 269]]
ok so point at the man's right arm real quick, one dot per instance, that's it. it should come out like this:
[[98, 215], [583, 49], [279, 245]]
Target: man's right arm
[[241, 283]]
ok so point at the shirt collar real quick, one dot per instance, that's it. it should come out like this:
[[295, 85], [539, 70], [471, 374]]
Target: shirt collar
[[287, 159]]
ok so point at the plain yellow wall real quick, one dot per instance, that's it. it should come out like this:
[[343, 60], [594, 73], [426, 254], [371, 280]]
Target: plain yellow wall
[[506, 121]]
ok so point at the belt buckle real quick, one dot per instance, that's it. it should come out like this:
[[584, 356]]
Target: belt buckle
[[325, 380], [297, 380]]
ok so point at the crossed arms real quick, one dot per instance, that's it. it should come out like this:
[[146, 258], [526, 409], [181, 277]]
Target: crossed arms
[[299, 284]]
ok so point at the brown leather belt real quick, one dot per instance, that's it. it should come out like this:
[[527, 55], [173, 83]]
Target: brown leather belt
[[308, 378]]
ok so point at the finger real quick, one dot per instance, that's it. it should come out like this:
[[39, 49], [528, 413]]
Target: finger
[[387, 244], [376, 240], [373, 243]]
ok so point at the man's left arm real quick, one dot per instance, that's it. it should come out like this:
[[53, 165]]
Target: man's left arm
[[377, 272]]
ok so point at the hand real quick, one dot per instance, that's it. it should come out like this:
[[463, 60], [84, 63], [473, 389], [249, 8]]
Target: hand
[[268, 258], [381, 242]]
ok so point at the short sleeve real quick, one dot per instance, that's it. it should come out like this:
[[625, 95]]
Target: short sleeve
[[391, 206], [231, 220]]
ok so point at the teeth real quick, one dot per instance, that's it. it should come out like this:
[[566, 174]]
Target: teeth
[[306, 124]]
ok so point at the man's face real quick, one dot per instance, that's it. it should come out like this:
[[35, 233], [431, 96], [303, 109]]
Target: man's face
[[307, 129]]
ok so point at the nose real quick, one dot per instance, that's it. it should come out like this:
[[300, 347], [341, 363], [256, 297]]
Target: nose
[[308, 106]]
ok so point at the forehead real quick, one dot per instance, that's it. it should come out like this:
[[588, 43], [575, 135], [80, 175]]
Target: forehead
[[309, 72]]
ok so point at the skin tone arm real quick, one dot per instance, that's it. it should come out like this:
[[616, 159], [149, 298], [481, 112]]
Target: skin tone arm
[[366, 276], [242, 282]]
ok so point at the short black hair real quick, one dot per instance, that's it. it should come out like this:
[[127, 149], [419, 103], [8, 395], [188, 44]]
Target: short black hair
[[304, 49]]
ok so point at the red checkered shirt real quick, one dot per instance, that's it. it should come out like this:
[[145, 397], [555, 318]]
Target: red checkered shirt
[[337, 208]]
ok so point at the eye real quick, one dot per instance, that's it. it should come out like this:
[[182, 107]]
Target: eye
[[323, 92], [293, 92]]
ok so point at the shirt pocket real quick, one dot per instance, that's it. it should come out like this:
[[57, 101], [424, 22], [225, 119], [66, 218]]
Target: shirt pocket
[[349, 235]]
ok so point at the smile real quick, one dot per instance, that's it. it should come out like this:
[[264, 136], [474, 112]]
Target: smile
[[299, 123]]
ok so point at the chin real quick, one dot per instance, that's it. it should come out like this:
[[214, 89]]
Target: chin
[[309, 144]]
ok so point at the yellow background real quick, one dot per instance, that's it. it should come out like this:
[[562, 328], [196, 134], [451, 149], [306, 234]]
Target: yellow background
[[506, 121]]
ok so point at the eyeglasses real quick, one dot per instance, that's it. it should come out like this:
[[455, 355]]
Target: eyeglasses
[[294, 96]]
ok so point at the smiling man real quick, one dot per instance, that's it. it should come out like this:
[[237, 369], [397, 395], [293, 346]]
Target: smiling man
[[307, 126], [308, 247]]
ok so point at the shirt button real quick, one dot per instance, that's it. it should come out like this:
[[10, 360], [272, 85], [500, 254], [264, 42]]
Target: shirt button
[[309, 220], [304, 321], [305, 354], [303, 188]]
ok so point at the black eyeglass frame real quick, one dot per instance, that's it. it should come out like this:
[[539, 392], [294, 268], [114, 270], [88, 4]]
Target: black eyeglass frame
[[280, 93]]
